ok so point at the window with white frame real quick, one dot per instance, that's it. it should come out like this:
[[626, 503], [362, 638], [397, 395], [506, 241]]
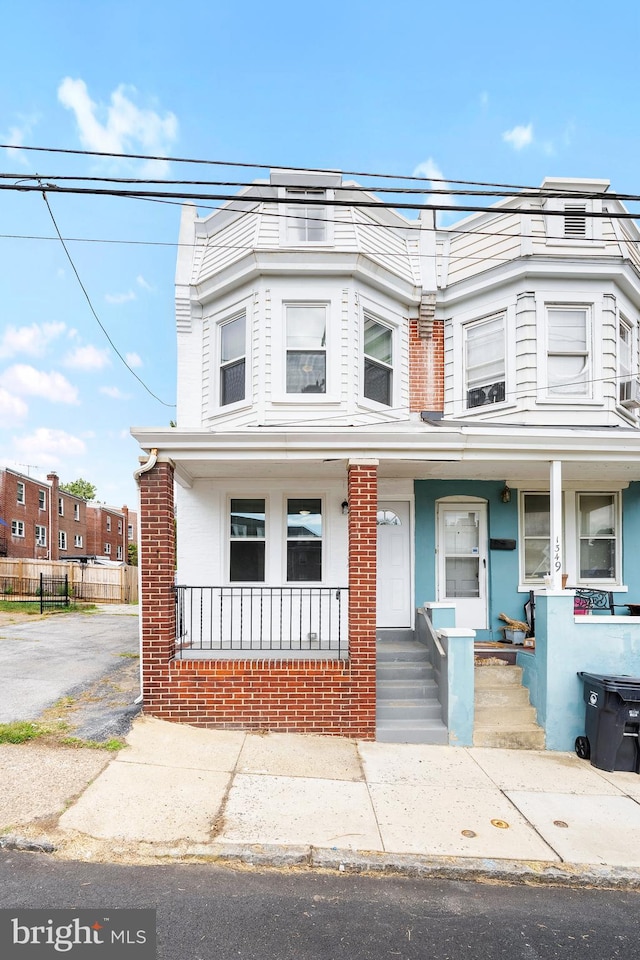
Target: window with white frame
[[77, 540], [378, 361], [592, 551], [247, 540], [62, 540], [76, 511], [119, 526], [129, 531], [625, 361], [21, 496], [485, 361], [304, 539], [108, 524], [118, 553], [306, 215], [107, 548], [60, 507], [568, 352], [233, 350], [42, 500], [306, 336], [41, 535], [17, 528]]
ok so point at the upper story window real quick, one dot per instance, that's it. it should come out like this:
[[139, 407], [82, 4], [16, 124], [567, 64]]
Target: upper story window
[[247, 540], [232, 360], [628, 393], [485, 361], [107, 548], [77, 540], [60, 507], [17, 528], [42, 500], [62, 540], [306, 348], [378, 361], [568, 352], [76, 511], [306, 221], [108, 524], [41, 535], [21, 495], [129, 531], [119, 526]]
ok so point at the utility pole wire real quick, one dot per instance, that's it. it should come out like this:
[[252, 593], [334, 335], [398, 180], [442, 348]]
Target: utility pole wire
[[91, 307]]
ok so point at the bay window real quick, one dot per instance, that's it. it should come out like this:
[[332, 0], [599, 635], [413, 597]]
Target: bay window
[[306, 336], [568, 352], [485, 361], [378, 361], [232, 360]]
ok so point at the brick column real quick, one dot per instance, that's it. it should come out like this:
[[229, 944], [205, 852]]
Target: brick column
[[54, 518], [157, 572], [426, 368], [363, 535]]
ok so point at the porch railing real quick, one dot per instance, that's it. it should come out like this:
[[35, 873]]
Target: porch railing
[[274, 622]]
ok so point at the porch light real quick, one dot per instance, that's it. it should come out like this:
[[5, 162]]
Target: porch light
[[345, 508], [505, 494]]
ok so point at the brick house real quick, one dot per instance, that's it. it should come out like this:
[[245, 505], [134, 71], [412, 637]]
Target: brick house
[[25, 512], [107, 531], [374, 413]]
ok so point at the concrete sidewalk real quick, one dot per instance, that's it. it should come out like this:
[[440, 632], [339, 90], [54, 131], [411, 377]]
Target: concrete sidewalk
[[283, 799]]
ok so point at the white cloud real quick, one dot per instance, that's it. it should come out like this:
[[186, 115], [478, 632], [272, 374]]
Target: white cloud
[[27, 381], [32, 340], [115, 393], [430, 169], [519, 136], [120, 297], [133, 359], [12, 409], [16, 138], [140, 280], [121, 127], [484, 99], [87, 358], [56, 445]]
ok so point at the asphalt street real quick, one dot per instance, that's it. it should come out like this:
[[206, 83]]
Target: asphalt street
[[68, 655]]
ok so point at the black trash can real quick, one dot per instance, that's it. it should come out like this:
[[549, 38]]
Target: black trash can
[[612, 722]]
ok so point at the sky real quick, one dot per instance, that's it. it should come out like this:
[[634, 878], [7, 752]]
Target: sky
[[501, 92]]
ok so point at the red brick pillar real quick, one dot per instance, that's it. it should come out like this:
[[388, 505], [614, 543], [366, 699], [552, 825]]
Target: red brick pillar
[[426, 368], [157, 573], [363, 536]]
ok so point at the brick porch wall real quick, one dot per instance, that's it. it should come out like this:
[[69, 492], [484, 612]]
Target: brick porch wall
[[298, 696]]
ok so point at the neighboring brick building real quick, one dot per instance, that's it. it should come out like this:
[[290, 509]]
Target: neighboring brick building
[[25, 512], [107, 531]]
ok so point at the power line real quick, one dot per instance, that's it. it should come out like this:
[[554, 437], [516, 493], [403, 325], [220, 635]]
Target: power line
[[91, 307]]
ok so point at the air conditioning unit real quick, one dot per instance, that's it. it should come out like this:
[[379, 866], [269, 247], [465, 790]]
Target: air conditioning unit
[[630, 393], [491, 393]]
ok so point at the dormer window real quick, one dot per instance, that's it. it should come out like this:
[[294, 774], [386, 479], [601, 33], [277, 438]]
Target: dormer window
[[306, 216], [485, 363]]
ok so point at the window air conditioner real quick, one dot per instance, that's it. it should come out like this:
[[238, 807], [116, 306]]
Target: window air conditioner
[[630, 393], [491, 393]]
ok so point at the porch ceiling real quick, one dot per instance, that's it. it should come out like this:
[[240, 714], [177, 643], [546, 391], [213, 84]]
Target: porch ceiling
[[518, 455]]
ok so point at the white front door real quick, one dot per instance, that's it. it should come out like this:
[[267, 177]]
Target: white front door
[[394, 564], [462, 560]]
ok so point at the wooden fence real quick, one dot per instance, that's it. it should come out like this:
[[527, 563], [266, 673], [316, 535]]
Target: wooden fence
[[19, 579]]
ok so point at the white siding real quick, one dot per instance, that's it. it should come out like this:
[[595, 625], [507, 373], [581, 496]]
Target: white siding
[[385, 244], [488, 244], [228, 245]]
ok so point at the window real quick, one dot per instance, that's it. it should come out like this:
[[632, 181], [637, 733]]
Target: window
[[119, 526], [597, 534], [76, 511], [129, 531], [42, 500], [306, 349], [62, 540], [304, 540], [108, 524], [107, 548], [306, 221], [17, 528], [484, 358], [232, 360], [60, 507], [592, 538], [378, 361], [21, 493], [41, 535], [247, 540], [118, 553], [77, 540], [568, 368], [625, 354]]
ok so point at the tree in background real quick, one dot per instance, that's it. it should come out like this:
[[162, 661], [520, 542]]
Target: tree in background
[[132, 554], [80, 488]]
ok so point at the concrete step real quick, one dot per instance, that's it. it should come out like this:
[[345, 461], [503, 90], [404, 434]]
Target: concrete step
[[399, 689], [525, 738], [494, 676], [414, 731], [408, 650], [504, 697], [504, 716], [405, 670], [418, 709]]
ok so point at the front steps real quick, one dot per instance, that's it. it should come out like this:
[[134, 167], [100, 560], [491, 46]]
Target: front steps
[[408, 709], [504, 716]]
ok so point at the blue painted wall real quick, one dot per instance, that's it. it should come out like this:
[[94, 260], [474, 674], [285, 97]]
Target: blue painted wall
[[502, 518]]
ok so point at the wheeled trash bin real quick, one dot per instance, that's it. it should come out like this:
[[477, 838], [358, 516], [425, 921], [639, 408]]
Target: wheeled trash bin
[[612, 722]]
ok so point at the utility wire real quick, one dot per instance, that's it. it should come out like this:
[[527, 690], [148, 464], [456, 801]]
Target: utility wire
[[91, 307]]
